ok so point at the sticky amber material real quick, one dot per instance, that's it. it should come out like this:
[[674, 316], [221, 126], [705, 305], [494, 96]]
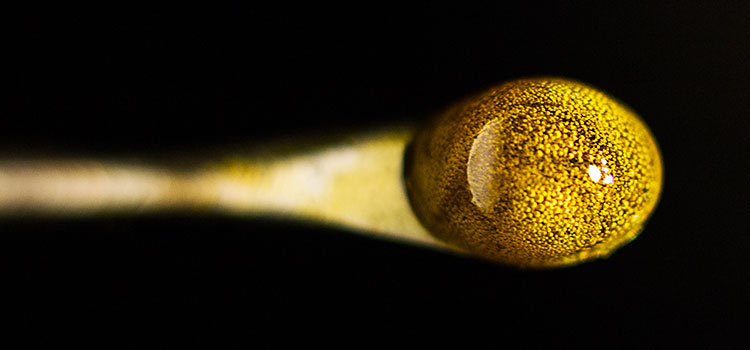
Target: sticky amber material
[[535, 173]]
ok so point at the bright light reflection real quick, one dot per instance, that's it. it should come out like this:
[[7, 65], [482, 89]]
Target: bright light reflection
[[594, 173]]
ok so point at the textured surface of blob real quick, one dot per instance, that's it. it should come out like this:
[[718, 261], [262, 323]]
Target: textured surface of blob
[[536, 173]]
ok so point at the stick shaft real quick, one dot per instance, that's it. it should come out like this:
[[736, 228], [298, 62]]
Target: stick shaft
[[356, 183], [85, 187]]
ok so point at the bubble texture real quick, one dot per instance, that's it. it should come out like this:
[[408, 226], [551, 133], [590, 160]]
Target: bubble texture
[[537, 172]]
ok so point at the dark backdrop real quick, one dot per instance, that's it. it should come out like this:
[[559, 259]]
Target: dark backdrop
[[175, 78]]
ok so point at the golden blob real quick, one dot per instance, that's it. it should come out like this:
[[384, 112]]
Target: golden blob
[[535, 173]]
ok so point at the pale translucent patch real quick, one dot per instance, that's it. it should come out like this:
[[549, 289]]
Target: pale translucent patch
[[483, 157]]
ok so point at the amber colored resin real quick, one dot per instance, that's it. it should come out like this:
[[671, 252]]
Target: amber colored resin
[[537, 172]]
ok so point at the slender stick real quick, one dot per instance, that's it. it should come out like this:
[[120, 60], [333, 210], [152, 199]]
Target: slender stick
[[355, 183]]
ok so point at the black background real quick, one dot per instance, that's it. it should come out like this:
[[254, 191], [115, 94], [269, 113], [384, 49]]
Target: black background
[[128, 81]]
